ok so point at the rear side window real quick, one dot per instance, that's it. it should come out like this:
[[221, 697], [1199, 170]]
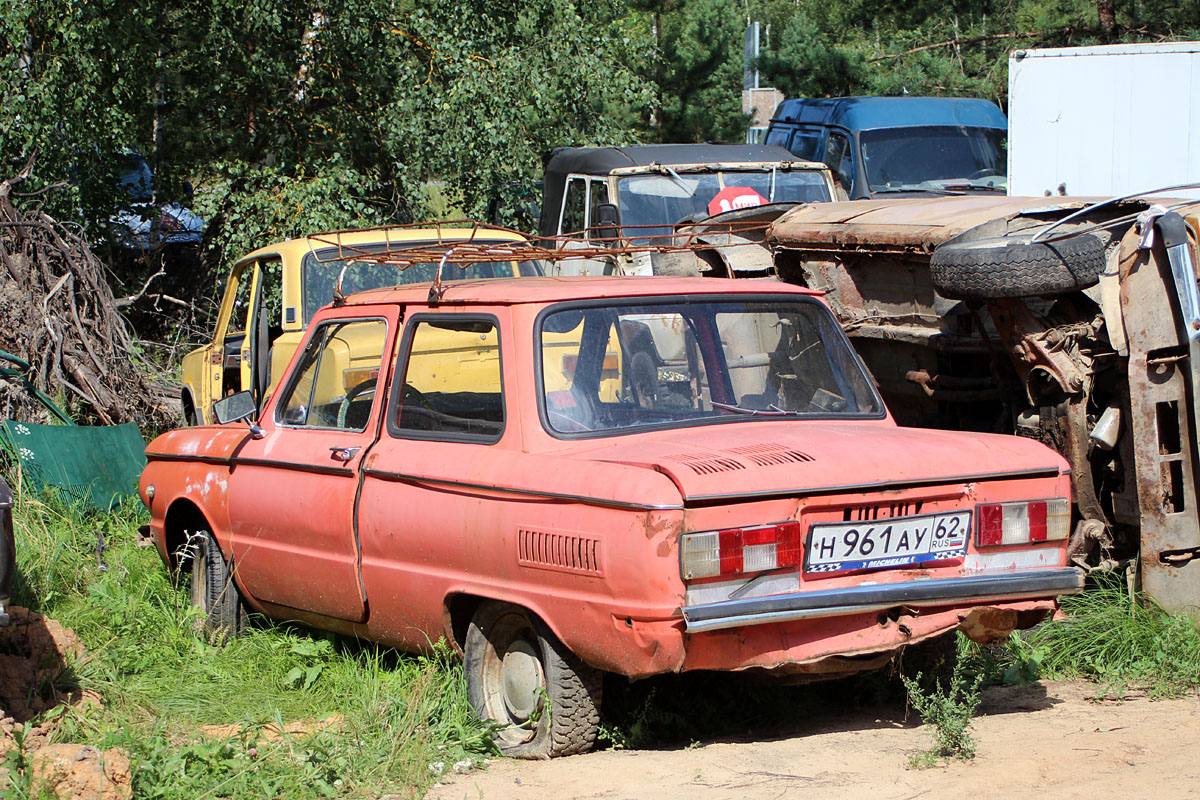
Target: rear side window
[[806, 144], [451, 386], [778, 136], [840, 158]]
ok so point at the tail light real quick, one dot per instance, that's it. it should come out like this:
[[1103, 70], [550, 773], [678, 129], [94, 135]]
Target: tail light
[[739, 550], [1026, 522]]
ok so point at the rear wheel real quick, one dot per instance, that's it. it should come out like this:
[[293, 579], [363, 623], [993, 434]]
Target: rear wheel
[[545, 701], [213, 589]]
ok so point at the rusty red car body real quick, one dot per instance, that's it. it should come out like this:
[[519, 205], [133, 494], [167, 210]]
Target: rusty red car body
[[404, 535]]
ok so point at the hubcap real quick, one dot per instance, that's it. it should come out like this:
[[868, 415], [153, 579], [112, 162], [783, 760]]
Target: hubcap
[[521, 678]]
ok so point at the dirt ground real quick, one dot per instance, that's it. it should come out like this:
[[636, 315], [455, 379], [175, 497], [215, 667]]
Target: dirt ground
[[1049, 740], [35, 657]]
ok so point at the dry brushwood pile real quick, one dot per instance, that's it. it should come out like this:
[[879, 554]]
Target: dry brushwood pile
[[59, 315]]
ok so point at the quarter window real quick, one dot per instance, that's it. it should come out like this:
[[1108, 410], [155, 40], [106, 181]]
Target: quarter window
[[574, 206], [840, 158], [452, 384], [335, 380]]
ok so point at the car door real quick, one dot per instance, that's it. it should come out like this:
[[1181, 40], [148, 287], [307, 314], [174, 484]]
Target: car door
[[425, 524], [293, 492]]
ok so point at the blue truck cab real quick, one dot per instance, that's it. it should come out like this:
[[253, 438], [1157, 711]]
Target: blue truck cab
[[892, 145]]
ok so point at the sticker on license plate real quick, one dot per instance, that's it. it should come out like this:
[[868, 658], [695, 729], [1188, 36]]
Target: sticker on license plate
[[885, 543]]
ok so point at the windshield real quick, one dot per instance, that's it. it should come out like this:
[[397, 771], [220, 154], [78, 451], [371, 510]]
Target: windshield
[[935, 157], [659, 201], [622, 367], [321, 274]]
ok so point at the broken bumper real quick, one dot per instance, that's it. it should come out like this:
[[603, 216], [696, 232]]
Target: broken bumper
[[1005, 587]]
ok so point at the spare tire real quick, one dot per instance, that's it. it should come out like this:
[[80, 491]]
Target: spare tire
[[985, 269]]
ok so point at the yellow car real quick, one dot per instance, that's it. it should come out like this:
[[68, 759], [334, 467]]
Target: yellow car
[[273, 292]]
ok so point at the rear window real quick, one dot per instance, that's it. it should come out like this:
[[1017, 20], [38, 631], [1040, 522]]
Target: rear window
[[619, 367]]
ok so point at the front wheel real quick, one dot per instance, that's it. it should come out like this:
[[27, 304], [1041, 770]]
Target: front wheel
[[213, 589], [544, 700]]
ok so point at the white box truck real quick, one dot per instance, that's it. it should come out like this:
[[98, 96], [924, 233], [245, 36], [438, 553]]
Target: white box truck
[[1106, 120]]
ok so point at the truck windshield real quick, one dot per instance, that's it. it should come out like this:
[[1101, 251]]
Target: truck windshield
[[651, 204], [934, 157], [321, 273], [616, 368]]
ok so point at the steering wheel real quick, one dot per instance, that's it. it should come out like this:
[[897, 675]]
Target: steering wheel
[[366, 386], [414, 396]]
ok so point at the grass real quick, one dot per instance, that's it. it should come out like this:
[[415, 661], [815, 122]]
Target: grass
[[1119, 639], [160, 682]]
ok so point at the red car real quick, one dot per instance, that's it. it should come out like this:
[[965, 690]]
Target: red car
[[566, 477]]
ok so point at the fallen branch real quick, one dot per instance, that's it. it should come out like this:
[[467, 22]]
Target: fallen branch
[[129, 300]]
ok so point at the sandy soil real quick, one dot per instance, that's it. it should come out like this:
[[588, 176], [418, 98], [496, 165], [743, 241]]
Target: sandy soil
[[1052, 740], [35, 653]]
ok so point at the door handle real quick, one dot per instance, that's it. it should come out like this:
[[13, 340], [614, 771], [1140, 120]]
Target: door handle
[[343, 453]]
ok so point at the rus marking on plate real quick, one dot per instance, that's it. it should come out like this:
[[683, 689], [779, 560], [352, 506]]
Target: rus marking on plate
[[884, 543]]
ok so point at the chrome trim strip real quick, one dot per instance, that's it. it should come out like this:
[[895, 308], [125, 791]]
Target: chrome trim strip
[[296, 466], [152, 456], [598, 501], [253, 462], [1048, 472], [1001, 587]]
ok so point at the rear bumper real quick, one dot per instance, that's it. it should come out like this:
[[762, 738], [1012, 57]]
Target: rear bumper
[[973, 589]]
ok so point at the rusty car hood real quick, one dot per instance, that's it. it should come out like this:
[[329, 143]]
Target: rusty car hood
[[807, 457], [920, 223]]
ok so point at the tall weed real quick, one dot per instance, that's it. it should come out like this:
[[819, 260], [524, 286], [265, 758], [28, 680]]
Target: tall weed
[[947, 712]]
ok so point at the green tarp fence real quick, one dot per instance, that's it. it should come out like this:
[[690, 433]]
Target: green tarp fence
[[96, 466]]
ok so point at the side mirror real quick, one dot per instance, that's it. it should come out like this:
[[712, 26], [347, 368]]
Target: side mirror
[[234, 408], [606, 224]]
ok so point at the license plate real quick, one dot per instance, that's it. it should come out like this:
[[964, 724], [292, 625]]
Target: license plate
[[884, 543]]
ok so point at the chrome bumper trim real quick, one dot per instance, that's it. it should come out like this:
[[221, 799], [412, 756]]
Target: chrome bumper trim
[[1000, 587]]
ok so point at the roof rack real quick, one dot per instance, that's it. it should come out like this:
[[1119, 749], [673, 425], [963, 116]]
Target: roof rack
[[477, 246]]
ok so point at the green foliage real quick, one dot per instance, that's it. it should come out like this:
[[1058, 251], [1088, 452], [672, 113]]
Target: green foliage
[[293, 117], [1121, 639], [390, 715], [947, 713], [1016, 662], [700, 76], [935, 47]]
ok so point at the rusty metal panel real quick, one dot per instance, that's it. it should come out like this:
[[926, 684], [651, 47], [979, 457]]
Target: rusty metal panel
[[918, 224], [1163, 431]]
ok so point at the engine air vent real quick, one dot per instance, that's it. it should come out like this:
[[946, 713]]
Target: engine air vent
[[564, 552], [707, 463], [883, 511], [766, 455]]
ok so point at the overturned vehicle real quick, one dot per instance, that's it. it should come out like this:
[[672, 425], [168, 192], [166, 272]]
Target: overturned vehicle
[[1070, 321]]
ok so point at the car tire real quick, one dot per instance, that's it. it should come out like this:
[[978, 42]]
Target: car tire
[[989, 269], [213, 590], [544, 701]]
